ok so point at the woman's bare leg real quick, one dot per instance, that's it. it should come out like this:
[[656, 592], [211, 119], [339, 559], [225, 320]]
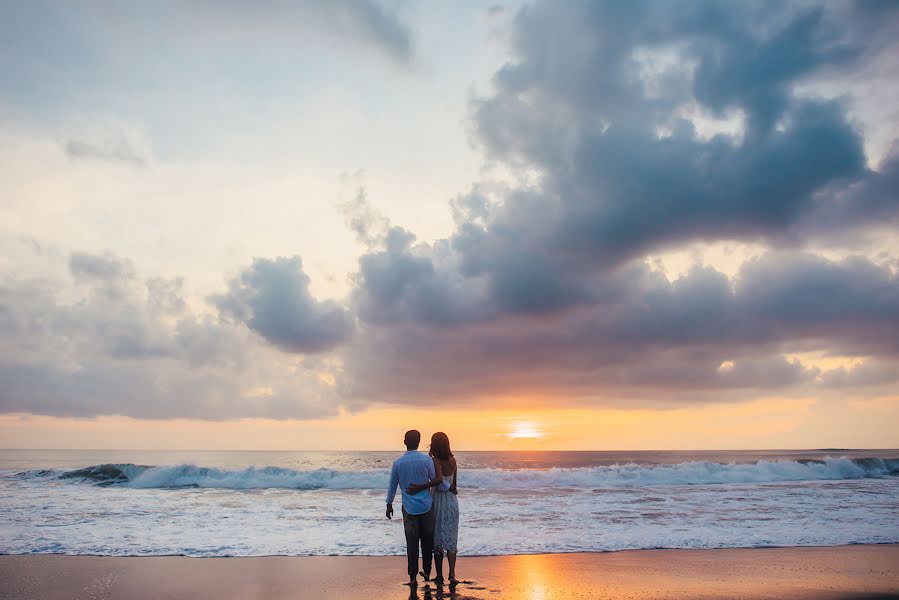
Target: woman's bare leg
[[438, 565], [451, 559]]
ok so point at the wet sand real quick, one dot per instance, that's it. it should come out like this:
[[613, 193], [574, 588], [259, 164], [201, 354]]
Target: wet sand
[[845, 573]]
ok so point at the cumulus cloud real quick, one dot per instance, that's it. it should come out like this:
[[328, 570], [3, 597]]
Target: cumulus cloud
[[870, 200], [108, 341], [623, 170], [272, 298], [542, 288], [646, 338]]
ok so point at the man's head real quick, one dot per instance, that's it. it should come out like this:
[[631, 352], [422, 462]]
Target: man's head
[[412, 439]]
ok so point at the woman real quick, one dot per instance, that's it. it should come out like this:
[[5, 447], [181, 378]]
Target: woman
[[446, 506]]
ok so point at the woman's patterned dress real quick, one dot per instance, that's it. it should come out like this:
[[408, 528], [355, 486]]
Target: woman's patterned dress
[[446, 517]]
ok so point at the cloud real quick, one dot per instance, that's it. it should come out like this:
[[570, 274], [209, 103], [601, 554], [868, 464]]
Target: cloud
[[870, 200], [871, 373], [854, 302], [369, 225], [611, 187], [99, 266], [623, 170], [112, 342], [372, 21], [543, 288], [272, 298], [367, 22], [112, 150], [644, 338]]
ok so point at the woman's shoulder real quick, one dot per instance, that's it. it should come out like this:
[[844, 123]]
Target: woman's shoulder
[[450, 462]]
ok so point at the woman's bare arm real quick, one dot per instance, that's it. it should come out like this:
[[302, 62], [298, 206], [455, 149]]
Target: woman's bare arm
[[455, 477]]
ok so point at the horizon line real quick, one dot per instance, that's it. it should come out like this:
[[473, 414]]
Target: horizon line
[[826, 449]]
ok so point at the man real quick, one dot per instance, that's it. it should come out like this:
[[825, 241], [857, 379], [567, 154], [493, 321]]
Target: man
[[418, 518]]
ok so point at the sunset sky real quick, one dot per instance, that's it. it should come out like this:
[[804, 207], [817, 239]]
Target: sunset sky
[[550, 225]]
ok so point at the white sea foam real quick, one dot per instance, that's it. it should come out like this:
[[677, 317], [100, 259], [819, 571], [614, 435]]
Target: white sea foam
[[686, 473]]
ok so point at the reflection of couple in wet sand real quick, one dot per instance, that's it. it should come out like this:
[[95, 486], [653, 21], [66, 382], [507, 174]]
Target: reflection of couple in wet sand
[[430, 508]]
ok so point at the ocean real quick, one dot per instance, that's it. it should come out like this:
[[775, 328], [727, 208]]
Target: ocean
[[106, 502]]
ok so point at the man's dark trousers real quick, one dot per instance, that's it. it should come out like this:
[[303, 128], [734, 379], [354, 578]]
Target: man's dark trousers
[[419, 528]]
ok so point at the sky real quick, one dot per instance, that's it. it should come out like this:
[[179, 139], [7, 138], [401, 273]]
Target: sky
[[533, 225]]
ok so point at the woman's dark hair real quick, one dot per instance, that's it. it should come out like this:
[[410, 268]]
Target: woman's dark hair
[[440, 447]]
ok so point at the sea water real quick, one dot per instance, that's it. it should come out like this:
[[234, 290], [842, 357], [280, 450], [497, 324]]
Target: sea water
[[332, 503]]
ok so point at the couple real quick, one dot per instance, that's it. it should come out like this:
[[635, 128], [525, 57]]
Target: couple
[[431, 518]]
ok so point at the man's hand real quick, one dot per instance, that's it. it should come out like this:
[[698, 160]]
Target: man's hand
[[390, 511]]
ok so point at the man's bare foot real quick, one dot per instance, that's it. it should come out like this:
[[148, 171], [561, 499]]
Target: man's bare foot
[[413, 581], [438, 581], [453, 580]]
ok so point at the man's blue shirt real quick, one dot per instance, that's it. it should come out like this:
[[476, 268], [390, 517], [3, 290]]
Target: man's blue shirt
[[412, 467]]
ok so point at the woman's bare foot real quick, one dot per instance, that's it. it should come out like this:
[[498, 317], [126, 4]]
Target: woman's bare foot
[[426, 576], [453, 580]]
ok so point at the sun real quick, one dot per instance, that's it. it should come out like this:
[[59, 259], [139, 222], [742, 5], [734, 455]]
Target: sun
[[524, 430]]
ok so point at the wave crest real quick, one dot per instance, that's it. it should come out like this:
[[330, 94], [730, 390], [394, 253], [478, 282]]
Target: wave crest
[[687, 473]]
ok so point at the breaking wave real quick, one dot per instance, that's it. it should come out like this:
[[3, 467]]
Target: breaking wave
[[686, 473]]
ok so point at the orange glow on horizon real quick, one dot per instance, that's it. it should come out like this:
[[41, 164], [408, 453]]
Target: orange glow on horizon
[[768, 423]]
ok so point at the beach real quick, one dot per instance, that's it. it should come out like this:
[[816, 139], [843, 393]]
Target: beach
[[862, 572], [141, 525]]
